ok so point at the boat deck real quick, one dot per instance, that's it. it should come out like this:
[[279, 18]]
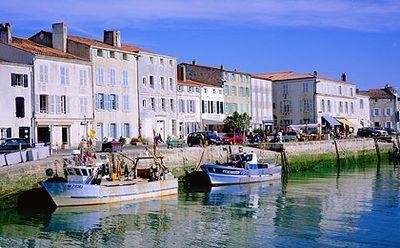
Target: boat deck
[[122, 183]]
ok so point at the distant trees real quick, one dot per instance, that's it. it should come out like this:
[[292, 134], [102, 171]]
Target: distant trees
[[237, 122]]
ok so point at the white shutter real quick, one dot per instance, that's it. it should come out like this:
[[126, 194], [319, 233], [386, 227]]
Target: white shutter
[[37, 104], [41, 74], [67, 104], [52, 102], [46, 78]]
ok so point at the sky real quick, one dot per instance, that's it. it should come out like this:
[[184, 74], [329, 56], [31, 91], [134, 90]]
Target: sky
[[358, 37]]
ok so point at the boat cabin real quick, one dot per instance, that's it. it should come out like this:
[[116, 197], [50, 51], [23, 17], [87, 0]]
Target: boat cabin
[[80, 174]]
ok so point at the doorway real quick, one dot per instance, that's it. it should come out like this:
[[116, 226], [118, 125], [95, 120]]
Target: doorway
[[161, 128], [43, 134], [65, 135], [24, 132]]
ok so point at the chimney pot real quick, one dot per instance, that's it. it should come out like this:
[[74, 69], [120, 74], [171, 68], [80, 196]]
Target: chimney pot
[[194, 62], [344, 77], [6, 33], [222, 67], [59, 36], [112, 38], [315, 73]]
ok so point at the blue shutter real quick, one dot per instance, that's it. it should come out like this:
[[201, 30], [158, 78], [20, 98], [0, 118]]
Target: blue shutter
[[116, 102], [97, 101], [106, 101]]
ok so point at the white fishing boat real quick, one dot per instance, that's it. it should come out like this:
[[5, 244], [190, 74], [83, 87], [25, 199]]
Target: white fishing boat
[[109, 180], [242, 168]]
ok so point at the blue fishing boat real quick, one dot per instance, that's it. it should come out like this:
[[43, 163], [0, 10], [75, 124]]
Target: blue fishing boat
[[242, 168]]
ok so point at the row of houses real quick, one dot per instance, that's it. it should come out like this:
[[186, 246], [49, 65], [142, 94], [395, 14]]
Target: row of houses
[[57, 86]]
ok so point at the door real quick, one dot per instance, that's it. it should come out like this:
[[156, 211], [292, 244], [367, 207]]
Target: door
[[65, 135], [43, 134], [99, 131], [24, 132], [161, 129]]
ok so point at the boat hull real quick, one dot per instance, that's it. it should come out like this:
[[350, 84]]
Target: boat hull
[[71, 194], [225, 175]]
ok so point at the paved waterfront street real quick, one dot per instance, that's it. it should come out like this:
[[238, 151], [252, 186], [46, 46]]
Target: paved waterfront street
[[358, 208]]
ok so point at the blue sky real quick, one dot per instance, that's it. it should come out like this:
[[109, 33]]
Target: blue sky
[[361, 38]]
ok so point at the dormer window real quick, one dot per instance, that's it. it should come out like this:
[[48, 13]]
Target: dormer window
[[99, 53], [125, 56], [112, 54]]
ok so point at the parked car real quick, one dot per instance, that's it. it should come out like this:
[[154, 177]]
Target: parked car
[[255, 138], [195, 138], [15, 144], [381, 131], [391, 131], [368, 132], [233, 138], [111, 146]]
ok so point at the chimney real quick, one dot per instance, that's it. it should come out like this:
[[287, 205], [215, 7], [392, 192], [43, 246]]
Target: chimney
[[344, 77], [59, 36], [221, 67], [315, 73], [181, 73], [112, 38], [5, 33], [194, 62]]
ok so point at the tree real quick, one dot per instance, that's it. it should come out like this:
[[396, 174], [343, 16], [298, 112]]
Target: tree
[[237, 122]]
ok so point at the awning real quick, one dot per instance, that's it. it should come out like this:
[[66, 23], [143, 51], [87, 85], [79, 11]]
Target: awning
[[346, 122], [332, 121], [212, 122]]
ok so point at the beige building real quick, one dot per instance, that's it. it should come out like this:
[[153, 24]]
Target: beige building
[[236, 92], [261, 103]]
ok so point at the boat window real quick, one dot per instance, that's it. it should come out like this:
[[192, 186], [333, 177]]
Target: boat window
[[84, 172], [71, 172], [78, 172], [90, 172]]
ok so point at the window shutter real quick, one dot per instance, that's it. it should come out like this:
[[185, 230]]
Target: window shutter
[[301, 105], [127, 103], [46, 78], [116, 102], [97, 101], [52, 102], [41, 76], [107, 101], [37, 104], [109, 130], [13, 79], [26, 81], [67, 76], [67, 104]]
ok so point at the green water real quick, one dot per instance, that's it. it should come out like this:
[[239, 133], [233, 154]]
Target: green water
[[358, 208]]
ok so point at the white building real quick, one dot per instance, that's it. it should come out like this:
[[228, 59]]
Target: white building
[[61, 88], [301, 99], [189, 107], [114, 85], [157, 94], [15, 97], [212, 107], [363, 110], [261, 103]]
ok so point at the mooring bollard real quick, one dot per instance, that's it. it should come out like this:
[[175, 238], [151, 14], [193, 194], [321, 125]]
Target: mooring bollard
[[378, 152], [337, 154]]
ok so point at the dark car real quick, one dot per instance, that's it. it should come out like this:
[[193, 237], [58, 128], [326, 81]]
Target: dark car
[[368, 132], [111, 146], [15, 144], [391, 131], [196, 138]]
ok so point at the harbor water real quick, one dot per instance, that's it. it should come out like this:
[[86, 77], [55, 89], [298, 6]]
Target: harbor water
[[358, 207]]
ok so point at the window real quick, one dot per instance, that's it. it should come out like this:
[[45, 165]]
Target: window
[[125, 81], [197, 89], [285, 89], [83, 78], [113, 101], [233, 91], [144, 103], [376, 112], [388, 112], [352, 108], [329, 106], [151, 80], [340, 90], [151, 59], [162, 82], [305, 105], [99, 53], [126, 103], [241, 91], [226, 90], [190, 104], [163, 107], [305, 87], [247, 91], [83, 104], [113, 130], [388, 124], [64, 75], [100, 103], [63, 104], [153, 103], [361, 103], [100, 76], [162, 61], [173, 127], [172, 105], [180, 88], [171, 63], [340, 107], [126, 130], [351, 92], [112, 54], [19, 80], [20, 107], [205, 90], [323, 105], [346, 107], [181, 106], [171, 84], [44, 103], [112, 76], [144, 81], [285, 106], [43, 74], [190, 88], [125, 56]]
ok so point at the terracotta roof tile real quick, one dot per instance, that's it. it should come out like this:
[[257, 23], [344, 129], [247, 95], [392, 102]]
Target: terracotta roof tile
[[37, 49], [286, 75], [97, 43], [380, 94], [192, 82]]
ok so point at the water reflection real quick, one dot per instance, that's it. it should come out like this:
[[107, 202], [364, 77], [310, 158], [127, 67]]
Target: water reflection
[[360, 207]]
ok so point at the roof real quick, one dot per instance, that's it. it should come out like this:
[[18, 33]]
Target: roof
[[192, 82], [286, 75], [98, 43], [290, 75], [37, 49], [214, 68], [380, 94]]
